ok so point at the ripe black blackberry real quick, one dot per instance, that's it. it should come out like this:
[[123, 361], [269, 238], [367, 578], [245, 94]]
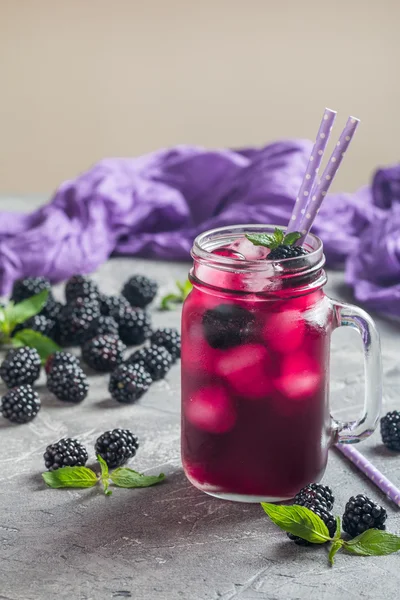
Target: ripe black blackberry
[[20, 405], [315, 492], [20, 366], [29, 286], [61, 358], [102, 326], [361, 514], [103, 353], [227, 326], [79, 286], [128, 383], [134, 325], [68, 383], [67, 452], [319, 508], [156, 360], [110, 304], [390, 430], [38, 323], [74, 322], [283, 251], [116, 447], [139, 290], [170, 339], [52, 309]]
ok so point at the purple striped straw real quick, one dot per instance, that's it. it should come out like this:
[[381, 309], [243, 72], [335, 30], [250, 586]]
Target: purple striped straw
[[371, 472], [321, 188], [312, 170]]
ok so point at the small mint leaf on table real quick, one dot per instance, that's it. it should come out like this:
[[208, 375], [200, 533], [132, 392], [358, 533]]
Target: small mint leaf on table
[[373, 542], [128, 478], [70, 477], [299, 521], [187, 288], [291, 238], [104, 475], [43, 344], [167, 303], [337, 544], [183, 290], [18, 313]]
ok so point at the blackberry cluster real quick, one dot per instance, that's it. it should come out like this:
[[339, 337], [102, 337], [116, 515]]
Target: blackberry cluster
[[61, 358], [315, 493], [111, 304], [170, 339], [361, 514], [128, 383], [79, 286], [20, 366], [319, 508], [134, 325], [67, 452], [283, 251], [390, 430], [75, 321], [68, 383], [116, 447], [20, 404], [140, 290], [103, 353], [227, 326], [156, 360]]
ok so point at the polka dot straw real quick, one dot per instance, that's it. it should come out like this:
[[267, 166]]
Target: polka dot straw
[[314, 163]]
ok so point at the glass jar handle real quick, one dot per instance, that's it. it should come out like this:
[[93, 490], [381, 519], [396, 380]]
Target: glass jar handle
[[351, 432]]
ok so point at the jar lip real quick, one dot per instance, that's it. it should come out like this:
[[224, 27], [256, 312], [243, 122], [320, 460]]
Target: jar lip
[[312, 242]]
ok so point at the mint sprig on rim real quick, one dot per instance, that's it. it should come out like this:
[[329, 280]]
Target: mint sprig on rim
[[304, 523], [83, 477], [178, 297], [274, 240]]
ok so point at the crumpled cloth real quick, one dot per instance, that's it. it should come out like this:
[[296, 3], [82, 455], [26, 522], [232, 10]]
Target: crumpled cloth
[[153, 206]]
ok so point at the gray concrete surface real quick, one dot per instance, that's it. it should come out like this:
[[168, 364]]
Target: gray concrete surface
[[173, 542]]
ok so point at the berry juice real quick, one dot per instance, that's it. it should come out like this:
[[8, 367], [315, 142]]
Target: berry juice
[[255, 371]]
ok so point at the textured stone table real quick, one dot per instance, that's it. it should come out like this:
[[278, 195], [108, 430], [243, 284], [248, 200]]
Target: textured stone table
[[172, 541]]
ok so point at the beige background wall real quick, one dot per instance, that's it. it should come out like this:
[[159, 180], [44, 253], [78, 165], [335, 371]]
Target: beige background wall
[[85, 79]]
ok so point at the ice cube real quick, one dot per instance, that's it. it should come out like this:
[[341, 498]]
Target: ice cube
[[301, 376], [284, 330], [249, 250], [245, 369], [211, 409]]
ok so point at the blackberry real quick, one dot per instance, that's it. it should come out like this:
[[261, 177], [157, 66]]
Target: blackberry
[[74, 322], [361, 514], [128, 383], [29, 286], [227, 326], [156, 360], [68, 383], [109, 304], [103, 353], [390, 430], [20, 366], [170, 339], [116, 447], [315, 493], [61, 358], [20, 405], [38, 323], [52, 309], [319, 508], [283, 251], [79, 286], [67, 452], [139, 290], [134, 325], [102, 326]]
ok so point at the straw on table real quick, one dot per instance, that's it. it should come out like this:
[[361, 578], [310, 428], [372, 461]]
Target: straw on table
[[386, 486], [312, 169], [321, 188]]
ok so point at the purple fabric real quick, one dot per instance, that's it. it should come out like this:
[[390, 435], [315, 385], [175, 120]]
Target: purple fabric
[[155, 205]]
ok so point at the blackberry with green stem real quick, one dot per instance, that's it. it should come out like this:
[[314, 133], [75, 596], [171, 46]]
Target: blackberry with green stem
[[116, 447], [20, 405], [103, 353], [169, 338], [128, 383], [139, 290], [281, 244], [20, 366], [156, 360], [67, 452]]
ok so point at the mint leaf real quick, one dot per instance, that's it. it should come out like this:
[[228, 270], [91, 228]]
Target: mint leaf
[[299, 521], [373, 542], [338, 531], [104, 475], [43, 344], [178, 297], [2, 314], [18, 313], [128, 478], [337, 544], [279, 236], [260, 239], [70, 477], [167, 303], [187, 288], [291, 238]]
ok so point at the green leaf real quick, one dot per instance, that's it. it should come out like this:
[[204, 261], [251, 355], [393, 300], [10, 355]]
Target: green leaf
[[338, 531], [2, 314], [260, 239], [168, 301], [18, 313], [70, 477], [291, 238], [104, 475], [128, 478], [299, 521], [180, 286], [278, 235], [187, 288], [43, 344], [373, 542], [337, 544]]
